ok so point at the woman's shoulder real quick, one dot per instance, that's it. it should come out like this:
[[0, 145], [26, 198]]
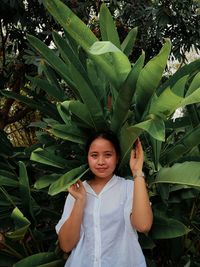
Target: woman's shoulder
[[127, 180]]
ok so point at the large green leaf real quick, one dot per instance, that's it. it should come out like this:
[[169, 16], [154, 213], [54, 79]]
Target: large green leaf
[[69, 56], [78, 110], [21, 225], [69, 132], [8, 182], [108, 27], [179, 87], [50, 89], [39, 260], [52, 78], [169, 101], [180, 148], [187, 173], [166, 103], [193, 98], [150, 77], [154, 126], [67, 179], [46, 180], [195, 84], [47, 157], [71, 23], [129, 42], [83, 84], [156, 149], [188, 69], [99, 81], [53, 59], [24, 189], [120, 63], [45, 107], [165, 228], [127, 138], [81, 33], [125, 96]]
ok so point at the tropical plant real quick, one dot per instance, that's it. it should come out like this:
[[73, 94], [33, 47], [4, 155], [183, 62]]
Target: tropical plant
[[27, 217], [131, 99]]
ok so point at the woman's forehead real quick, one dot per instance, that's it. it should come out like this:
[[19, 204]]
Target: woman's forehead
[[101, 144]]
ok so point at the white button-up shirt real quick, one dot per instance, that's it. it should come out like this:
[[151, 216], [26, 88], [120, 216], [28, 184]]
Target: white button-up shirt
[[107, 238]]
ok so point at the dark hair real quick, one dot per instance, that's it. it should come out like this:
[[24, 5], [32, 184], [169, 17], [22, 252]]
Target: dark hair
[[107, 135]]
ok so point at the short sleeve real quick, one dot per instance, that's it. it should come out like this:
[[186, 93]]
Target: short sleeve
[[69, 203]]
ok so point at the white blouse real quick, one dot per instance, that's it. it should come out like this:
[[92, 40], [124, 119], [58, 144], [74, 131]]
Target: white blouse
[[107, 238]]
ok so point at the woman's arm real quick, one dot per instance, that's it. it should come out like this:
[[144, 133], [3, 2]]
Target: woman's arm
[[142, 216], [69, 233]]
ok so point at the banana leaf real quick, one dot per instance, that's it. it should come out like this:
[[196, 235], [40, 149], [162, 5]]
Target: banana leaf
[[82, 34], [46, 108], [52, 78], [69, 132], [82, 82], [166, 228], [153, 126], [47, 157], [120, 63], [46, 180], [180, 148], [70, 57], [129, 42], [156, 147], [108, 27], [21, 225], [98, 81], [150, 77], [50, 89], [24, 189], [53, 60], [5, 181], [127, 138], [76, 108], [71, 23], [168, 101], [186, 173], [42, 259], [188, 69], [125, 96], [67, 179], [179, 87], [194, 85], [165, 104]]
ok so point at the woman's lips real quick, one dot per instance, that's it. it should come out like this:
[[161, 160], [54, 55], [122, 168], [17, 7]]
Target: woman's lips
[[101, 169]]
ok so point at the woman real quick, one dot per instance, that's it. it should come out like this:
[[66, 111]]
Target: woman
[[101, 216]]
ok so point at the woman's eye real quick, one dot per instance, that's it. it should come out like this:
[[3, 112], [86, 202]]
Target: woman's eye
[[94, 156], [108, 155]]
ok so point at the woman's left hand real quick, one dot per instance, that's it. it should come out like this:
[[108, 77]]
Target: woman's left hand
[[136, 158]]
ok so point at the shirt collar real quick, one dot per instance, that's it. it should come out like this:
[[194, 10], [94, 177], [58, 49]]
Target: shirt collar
[[107, 186]]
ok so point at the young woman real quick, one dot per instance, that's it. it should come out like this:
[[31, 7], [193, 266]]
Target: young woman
[[101, 216]]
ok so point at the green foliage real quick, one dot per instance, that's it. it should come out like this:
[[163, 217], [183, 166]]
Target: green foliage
[[108, 91], [27, 215]]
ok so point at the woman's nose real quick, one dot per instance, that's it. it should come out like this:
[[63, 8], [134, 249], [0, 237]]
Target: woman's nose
[[101, 160]]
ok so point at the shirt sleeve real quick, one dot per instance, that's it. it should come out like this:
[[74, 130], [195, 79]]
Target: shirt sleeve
[[69, 203]]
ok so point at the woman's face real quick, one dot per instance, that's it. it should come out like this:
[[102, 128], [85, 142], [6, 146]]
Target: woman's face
[[102, 158]]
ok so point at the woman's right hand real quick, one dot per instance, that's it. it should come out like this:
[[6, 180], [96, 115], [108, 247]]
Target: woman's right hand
[[78, 191]]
